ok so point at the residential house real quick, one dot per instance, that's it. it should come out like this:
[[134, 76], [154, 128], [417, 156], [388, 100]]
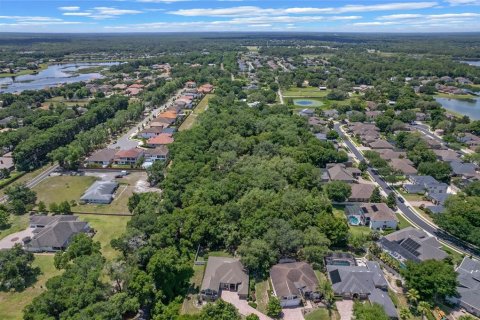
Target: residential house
[[128, 157], [447, 155], [190, 84], [464, 169], [411, 244], [372, 115], [422, 184], [377, 216], [468, 288], [389, 154], [380, 144], [331, 113], [103, 157], [403, 165], [433, 144], [420, 116], [294, 281], [317, 122], [340, 172], [321, 136], [361, 192], [53, 233], [161, 122], [205, 88], [6, 162], [150, 132], [224, 273], [361, 282], [160, 140], [155, 154], [120, 86], [100, 192], [306, 113]]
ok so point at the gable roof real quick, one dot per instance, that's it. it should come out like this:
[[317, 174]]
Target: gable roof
[[103, 155], [161, 139], [130, 153], [57, 233], [469, 282], [100, 191], [224, 270]]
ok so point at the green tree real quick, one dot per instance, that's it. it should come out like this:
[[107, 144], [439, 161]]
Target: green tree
[[274, 309], [257, 256], [81, 245], [20, 198], [252, 316], [336, 229], [366, 311], [423, 308], [53, 207], [413, 296], [17, 272], [405, 314], [315, 246], [439, 170], [431, 278], [64, 208], [376, 197], [391, 200], [219, 310], [363, 166], [4, 218], [338, 191], [42, 208], [473, 189]]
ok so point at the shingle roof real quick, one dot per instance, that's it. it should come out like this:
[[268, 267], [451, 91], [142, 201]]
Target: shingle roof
[[224, 270], [57, 233], [289, 278], [103, 155], [469, 282], [361, 191], [100, 191]]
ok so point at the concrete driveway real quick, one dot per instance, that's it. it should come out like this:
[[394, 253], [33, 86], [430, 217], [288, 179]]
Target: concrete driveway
[[9, 241], [345, 309], [293, 313], [242, 305]]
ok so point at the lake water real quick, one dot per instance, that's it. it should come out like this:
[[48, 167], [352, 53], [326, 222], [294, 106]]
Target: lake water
[[470, 107], [472, 63], [54, 75]]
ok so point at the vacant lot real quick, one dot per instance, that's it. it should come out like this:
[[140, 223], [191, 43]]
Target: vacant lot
[[12, 303], [108, 228], [201, 107], [309, 92], [62, 188]]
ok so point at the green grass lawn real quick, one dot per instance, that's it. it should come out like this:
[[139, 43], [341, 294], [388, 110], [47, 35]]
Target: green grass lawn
[[192, 117], [319, 314], [402, 222], [455, 96], [27, 177], [309, 92], [456, 257], [409, 196], [188, 306], [261, 294], [62, 188], [12, 303], [219, 254], [17, 223], [108, 228], [360, 230]]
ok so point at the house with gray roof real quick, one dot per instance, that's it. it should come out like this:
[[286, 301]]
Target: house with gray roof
[[53, 233], [294, 281], [377, 216], [340, 172], [468, 289], [361, 192], [463, 169], [422, 184], [362, 282], [103, 157], [100, 192], [412, 244], [223, 273]]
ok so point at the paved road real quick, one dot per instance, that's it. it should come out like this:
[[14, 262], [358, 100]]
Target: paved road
[[409, 213], [425, 129], [125, 142], [33, 182]]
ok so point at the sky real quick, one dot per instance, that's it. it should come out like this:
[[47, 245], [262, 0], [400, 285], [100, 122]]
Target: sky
[[108, 16]]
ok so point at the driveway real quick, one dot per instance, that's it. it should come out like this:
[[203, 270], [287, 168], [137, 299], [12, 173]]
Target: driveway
[[293, 313], [242, 305], [10, 240], [345, 309]]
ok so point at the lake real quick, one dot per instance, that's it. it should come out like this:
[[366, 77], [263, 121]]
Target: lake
[[307, 103], [472, 63], [54, 75], [469, 107]]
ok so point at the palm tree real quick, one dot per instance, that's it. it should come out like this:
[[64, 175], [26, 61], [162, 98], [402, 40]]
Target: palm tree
[[423, 307], [405, 314], [413, 296]]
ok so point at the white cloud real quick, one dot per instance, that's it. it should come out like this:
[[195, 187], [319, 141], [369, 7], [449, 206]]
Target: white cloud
[[78, 14], [102, 13], [463, 2], [70, 8], [373, 23], [31, 18], [468, 15], [254, 10]]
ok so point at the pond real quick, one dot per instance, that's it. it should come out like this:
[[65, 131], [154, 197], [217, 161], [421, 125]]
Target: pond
[[307, 103], [54, 75], [472, 63], [469, 107]]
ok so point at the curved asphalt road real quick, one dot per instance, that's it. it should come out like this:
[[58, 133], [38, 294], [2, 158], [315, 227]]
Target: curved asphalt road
[[447, 238]]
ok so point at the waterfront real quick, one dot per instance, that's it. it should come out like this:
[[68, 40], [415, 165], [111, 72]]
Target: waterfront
[[469, 107], [54, 75]]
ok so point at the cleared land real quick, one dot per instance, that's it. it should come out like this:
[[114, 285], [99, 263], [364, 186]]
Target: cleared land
[[309, 92], [192, 117], [12, 303], [108, 228]]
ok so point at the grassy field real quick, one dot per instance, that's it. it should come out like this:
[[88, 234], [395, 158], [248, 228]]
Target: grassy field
[[42, 66], [12, 303], [360, 230], [261, 294], [108, 228], [27, 177], [201, 107], [309, 92], [188, 306], [402, 222], [455, 96], [62, 188], [409, 196]]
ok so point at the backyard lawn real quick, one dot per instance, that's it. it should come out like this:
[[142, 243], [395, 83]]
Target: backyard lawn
[[322, 314], [309, 92], [108, 228], [188, 306], [12, 303], [261, 294], [201, 107], [62, 188], [17, 223]]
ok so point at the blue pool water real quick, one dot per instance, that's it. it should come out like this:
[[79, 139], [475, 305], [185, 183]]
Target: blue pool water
[[353, 220], [307, 103]]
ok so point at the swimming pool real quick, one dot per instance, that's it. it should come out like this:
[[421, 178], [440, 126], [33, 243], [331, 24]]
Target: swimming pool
[[353, 220], [307, 103]]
